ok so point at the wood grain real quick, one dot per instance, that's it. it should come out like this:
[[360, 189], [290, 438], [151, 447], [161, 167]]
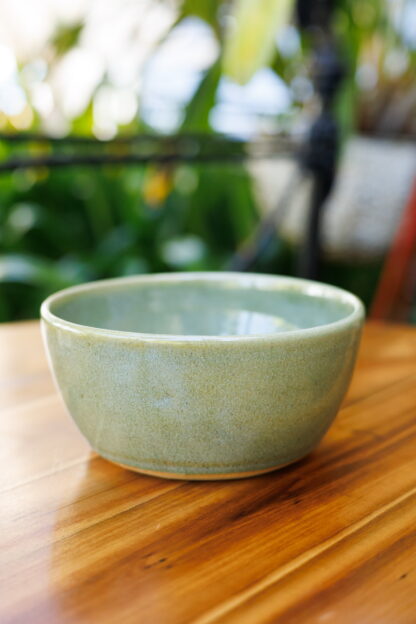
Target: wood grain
[[24, 375], [331, 539]]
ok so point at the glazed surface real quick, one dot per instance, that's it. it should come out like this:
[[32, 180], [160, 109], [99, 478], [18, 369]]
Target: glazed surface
[[243, 404]]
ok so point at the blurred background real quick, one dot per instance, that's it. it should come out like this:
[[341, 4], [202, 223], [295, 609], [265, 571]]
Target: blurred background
[[161, 135]]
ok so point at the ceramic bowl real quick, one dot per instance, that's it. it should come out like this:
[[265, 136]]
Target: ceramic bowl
[[202, 375]]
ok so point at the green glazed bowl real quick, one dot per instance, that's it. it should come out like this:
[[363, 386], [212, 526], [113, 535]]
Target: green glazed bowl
[[202, 375]]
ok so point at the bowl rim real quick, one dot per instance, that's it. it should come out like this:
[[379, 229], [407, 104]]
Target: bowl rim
[[260, 280]]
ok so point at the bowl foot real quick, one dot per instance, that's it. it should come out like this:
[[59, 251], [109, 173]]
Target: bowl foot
[[202, 477]]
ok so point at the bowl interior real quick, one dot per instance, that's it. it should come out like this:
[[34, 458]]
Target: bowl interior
[[204, 307]]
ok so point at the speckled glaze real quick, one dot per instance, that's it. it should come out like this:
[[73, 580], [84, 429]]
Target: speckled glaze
[[202, 375]]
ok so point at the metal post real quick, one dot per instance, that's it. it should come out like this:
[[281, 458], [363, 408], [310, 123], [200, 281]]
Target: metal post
[[320, 153]]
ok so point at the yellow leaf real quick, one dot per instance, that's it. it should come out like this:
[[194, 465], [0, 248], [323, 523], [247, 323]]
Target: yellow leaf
[[250, 41], [157, 186]]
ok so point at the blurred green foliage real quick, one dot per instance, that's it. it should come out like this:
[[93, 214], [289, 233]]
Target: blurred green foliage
[[62, 227]]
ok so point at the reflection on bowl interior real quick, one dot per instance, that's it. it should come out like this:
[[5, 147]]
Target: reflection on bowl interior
[[201, 307]]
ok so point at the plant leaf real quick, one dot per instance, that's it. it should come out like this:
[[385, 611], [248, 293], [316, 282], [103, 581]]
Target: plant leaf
[[206, 10], [197, 111], [250, 44], [66, 37]]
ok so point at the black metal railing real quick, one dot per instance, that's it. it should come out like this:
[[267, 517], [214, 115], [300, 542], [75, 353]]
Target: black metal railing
[[315, 153]]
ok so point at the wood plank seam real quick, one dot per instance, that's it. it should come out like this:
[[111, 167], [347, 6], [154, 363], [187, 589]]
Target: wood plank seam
[[334, 540], [21, 407], [227, 606], [291, 598], [168, 488], [19, 380], [48, 473], [385, 388]]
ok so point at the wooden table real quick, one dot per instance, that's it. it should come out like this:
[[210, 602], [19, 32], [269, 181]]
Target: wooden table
[[331, 539]]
